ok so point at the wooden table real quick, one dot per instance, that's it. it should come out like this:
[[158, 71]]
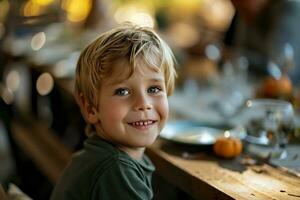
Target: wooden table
[[199, 174], [204, 176]]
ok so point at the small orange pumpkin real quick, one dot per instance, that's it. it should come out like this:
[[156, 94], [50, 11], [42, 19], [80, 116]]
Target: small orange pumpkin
[[228, 147], [274, 88]]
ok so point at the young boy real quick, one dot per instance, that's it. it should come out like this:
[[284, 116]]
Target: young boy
[[123, 79]]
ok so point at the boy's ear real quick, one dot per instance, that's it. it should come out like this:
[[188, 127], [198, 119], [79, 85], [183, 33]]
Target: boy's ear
[[88, 111]]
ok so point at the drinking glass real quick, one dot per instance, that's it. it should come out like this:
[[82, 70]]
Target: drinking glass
[[269, 122]]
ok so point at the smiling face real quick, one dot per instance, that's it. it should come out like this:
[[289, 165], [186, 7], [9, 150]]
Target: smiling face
[[132, 111]]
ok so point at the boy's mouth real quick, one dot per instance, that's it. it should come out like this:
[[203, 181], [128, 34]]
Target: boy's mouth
[[142, 123]]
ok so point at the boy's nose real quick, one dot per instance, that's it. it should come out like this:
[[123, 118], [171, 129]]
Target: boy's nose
[[142, 103]]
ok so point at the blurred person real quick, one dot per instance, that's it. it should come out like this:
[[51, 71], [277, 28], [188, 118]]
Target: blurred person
[[267, 30], [123, 80]]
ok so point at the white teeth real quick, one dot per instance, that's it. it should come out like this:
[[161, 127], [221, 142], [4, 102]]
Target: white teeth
[[142, 123]]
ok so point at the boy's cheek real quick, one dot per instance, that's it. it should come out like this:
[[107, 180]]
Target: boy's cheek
[[165, 106], [163, 110], [115, 113]]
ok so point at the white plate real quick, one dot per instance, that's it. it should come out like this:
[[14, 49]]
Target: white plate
[[187, 132]]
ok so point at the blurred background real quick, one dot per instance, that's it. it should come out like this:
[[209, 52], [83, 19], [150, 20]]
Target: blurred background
[[40, 42]]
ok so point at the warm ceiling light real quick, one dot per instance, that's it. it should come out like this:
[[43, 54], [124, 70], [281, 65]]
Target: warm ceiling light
[[44, 84], [218, 14], [31, 9], [13, 80], [42, 2], [142, 19], [135, 14], [77, 10]]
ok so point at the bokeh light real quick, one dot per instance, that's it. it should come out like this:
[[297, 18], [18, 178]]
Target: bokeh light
[[38, 41], [183, 34], [43, 2], [136, 15], [32, 9], [77, 10], [217, 14], [44, 84], [7, 95], [13, 80], [213, 52]]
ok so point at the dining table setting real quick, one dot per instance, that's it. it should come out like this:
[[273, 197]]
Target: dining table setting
[[237, 137]]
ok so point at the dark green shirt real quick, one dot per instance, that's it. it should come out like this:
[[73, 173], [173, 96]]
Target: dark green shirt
[[101, 171]]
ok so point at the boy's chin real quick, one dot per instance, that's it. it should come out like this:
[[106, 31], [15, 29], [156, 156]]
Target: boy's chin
[[147, 143]]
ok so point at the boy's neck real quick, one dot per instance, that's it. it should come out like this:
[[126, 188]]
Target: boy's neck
[[135, 153]]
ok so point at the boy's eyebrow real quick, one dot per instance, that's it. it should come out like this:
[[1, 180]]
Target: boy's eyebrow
[[116, 81], [157, 79], [119, 81]]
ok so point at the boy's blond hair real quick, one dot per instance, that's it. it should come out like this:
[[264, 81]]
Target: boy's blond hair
[[129, 42]]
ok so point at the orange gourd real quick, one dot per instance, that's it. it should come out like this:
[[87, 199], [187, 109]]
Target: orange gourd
[[273, 88], [228, 147]]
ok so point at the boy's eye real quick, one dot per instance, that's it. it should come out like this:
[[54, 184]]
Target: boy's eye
[[154, 89], [122, 91]]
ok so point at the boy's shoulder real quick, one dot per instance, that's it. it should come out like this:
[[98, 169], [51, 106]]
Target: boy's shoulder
[[98, 151], [99, 166], [103, 157]]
